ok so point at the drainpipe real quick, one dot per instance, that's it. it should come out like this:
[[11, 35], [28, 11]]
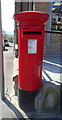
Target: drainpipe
[[30, 5], [49, 24], [1, 60]]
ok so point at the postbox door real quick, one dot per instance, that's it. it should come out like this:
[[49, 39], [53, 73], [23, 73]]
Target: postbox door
[[30, 61]]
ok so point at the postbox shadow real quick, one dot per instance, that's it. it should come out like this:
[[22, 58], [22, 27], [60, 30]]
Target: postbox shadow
[[52, 70], [5, 50], [51, 80], [13, 108], [52, 67], [19, 114], [56, 60]]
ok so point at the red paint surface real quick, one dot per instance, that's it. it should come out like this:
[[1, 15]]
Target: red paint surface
[[30, 65]]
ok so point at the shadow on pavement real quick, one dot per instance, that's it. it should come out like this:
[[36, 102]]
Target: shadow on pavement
[[13, 108], [52, 67], [50, 77], [5, 49], [52, 70], [56, 60]]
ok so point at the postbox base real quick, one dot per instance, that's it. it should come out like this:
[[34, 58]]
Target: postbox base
[[26, 100]]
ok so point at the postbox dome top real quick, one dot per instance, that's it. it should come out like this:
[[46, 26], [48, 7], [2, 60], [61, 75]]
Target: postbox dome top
[[28, 17]]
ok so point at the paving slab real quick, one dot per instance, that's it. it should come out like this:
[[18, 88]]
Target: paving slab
[[6, 112]]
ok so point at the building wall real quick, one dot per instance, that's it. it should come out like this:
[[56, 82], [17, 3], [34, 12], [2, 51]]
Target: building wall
[[41, 6], [25, 6], [55, 40], [55, 46], [19, 7]]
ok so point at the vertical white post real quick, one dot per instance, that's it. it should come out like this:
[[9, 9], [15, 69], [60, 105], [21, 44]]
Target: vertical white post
[[30, 5], [49, 24], [1, 61]]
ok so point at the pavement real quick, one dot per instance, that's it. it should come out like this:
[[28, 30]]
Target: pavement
[[8, 68], [52, 69], [5, 110]]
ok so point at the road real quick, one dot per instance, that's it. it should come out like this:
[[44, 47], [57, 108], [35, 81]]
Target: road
[[8, 55]]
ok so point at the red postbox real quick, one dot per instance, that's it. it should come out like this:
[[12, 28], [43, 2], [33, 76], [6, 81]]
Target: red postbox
[[30, 53]]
